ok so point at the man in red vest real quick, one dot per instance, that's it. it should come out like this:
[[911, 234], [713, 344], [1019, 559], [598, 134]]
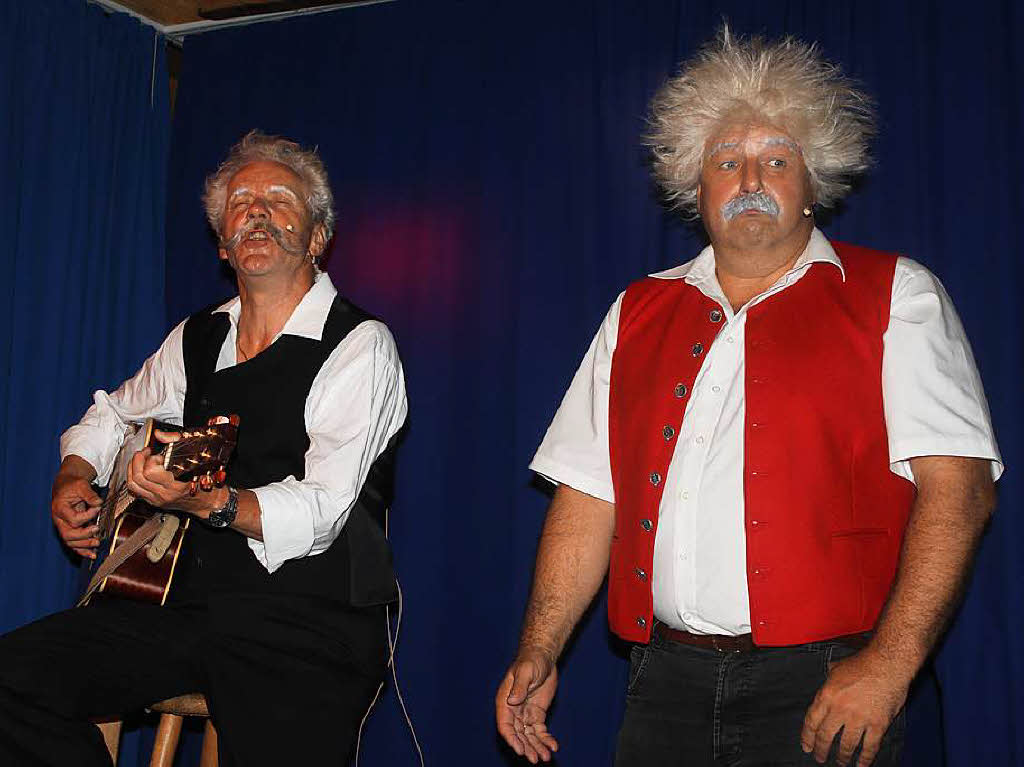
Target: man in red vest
[[779, 452]]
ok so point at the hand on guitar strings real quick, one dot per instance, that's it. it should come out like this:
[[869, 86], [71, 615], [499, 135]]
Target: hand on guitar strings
[[149, 480], [74, 506]]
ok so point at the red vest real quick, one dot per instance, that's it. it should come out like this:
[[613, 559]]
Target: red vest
[[823, 514]]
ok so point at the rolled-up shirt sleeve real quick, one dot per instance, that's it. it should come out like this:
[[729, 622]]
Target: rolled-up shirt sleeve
[[356, 404], [156, 391], [574, 451], [932, 392]]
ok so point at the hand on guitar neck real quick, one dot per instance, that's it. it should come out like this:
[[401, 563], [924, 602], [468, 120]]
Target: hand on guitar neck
[[148, 480]]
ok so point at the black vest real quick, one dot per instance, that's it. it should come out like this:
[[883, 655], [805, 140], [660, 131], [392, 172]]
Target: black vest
[[269, 394]]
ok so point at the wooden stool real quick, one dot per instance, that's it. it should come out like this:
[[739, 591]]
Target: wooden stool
[[172, 715]]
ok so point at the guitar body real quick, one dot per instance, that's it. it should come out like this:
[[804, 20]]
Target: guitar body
[[139, 578], [142, 568]]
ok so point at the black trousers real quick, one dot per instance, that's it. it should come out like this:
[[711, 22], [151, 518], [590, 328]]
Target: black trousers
[[691, 707], [288, 679]]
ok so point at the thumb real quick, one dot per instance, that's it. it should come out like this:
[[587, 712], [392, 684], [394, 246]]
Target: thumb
[[525, 677], [90, 497]]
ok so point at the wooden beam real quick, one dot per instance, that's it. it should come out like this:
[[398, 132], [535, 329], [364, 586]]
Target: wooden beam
[[166, 12], [233, 9]]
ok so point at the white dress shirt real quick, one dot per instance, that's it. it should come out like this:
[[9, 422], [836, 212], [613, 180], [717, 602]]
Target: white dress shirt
[[355, 405], [933, 401]]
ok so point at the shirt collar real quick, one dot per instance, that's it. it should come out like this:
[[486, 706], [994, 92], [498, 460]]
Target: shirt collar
[[701, 270], [307, 319]]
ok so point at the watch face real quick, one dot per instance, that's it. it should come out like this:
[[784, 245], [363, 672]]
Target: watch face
[[225, 515]]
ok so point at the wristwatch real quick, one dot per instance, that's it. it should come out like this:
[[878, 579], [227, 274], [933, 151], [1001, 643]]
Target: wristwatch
[[226, 514]]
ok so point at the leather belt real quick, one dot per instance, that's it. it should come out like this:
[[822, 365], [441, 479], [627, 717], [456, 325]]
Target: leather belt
[[740, 643]]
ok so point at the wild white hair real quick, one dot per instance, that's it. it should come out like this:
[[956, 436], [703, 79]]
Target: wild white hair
[[784, 84], [256, 146]]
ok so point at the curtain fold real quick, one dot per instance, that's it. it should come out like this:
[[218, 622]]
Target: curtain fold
[[494, 199], [83, 148]]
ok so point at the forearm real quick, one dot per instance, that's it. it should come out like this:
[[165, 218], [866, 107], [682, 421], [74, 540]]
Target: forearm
[[248, 520], [571, 563], [955, 498], [76, 467]]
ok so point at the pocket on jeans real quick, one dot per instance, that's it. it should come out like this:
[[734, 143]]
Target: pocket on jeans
[[835, 652], [638, 658]]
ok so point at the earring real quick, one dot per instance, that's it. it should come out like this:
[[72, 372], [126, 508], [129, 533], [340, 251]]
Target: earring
[[807, 212]]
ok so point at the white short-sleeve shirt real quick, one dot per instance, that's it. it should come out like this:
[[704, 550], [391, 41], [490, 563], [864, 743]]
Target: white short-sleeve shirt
[[934, 405]]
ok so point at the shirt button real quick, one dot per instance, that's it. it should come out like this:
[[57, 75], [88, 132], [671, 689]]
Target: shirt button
[[646, 524], [668, 432], [687, 616], [698, 349], [715, 316], [699, 440], [716, 389], [685, 496], [680, 390], [655, 478], [729, 339]]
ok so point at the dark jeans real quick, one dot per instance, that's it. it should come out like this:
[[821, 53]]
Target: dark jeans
[[687, 707], [288, 679]]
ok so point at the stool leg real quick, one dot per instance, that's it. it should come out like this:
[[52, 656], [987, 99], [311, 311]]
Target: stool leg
[[166, 743], [209, 755], [111, 736]]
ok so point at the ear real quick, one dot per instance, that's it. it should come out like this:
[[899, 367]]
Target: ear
[[317, 241]]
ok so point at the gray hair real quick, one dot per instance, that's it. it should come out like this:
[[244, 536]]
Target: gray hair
[[256, 146], [785, 84]]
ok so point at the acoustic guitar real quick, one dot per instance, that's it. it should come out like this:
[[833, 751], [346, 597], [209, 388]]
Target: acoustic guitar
[[149, 540]]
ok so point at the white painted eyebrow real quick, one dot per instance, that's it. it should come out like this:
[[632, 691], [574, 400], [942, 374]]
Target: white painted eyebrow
[[724, 145], [282, 188], [270, 190], [768, 142], [782, 141]]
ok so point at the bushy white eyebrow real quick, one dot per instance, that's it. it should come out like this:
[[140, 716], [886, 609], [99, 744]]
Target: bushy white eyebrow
[[724, 145], [766, 142], [270, 190]]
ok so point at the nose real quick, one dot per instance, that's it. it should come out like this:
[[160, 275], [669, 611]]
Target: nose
[[258, 208], [751, 180]]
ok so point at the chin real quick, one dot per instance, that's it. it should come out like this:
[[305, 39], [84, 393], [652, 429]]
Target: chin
[[754, 228]]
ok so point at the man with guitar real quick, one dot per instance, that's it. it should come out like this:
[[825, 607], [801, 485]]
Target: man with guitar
[[276, 611]]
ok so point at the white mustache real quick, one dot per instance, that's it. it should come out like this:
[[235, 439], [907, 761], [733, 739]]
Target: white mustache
[[755, 201], [285, 241]]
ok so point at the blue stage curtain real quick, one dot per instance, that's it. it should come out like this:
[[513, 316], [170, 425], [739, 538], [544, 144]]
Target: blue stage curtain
[[83, 154], [494, 199]]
